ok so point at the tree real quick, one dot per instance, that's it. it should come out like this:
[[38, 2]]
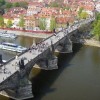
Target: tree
[[42, 23], [2, 2], [9, 23], [94, 23], [96, 20], [1, 21], [83, 15], [23, 4], [21, 22], [52, 24], [16, 4], [80, 11], [98, 16], [54, 4], [8, 5], [96, 29]]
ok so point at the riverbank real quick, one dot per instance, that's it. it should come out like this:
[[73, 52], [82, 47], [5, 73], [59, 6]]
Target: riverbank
[[29, 34], [92, 42]]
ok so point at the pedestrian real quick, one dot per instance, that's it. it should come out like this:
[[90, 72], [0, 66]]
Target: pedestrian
[[16, 57], [55, 34], [4, 70]]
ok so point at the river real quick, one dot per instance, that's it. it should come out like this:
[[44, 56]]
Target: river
[[21, 40], [78, 77]]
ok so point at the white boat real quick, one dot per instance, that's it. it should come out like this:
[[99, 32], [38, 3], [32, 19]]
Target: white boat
[[8, 35], [12, 47]]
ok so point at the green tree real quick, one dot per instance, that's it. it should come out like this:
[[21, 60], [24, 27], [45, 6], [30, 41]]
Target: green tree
[[21, 22], [83, 15], [98, 16], [42, 23], [96, 20], [1, 21], [80, 11], [54, 4], [2, 2], [23, 4], [52, 24], [96, 29], [94, 23], [16, 4], [8, 5], [9, 23]]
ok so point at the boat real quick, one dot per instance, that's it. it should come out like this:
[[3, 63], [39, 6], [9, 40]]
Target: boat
[[12, 47], [7, 35]]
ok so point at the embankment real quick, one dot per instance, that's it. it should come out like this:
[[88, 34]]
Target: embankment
[[30, 34], [92, 42]]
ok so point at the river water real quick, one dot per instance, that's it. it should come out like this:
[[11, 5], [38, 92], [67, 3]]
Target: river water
[[21, 40], [78, 77]]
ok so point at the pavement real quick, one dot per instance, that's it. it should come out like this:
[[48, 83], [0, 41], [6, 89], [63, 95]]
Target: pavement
[[29, 34]]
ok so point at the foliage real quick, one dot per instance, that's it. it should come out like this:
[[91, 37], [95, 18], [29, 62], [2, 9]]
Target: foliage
[[16, 4], [94, 23], [83, 15], [23, 4], [21, 22], [52, 24], [96, 29], [54, 4], [98, 16], [4, 6], [42, 23], [96, 26], [8, 5], [1, 21], [9, 23], [2, 2], [80, 11], [84, 28]]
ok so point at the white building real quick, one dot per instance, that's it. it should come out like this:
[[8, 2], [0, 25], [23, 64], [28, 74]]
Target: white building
[[98, 7]]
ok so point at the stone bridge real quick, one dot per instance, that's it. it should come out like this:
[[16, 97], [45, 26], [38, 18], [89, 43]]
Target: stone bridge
[[14, 80]]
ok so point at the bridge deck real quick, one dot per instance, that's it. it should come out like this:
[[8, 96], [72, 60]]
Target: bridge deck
[[11, 67]]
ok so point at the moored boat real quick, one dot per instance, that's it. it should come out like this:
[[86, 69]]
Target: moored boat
[[12, 47], [8, 35]]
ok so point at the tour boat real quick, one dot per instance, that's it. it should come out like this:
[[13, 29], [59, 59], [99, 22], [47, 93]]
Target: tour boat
[[8, 35], [12, 47]]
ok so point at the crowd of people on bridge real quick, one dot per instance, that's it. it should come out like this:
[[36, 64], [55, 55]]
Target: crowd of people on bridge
[[38, 48]]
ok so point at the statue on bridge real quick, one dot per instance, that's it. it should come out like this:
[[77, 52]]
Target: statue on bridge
[[21, 64]]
